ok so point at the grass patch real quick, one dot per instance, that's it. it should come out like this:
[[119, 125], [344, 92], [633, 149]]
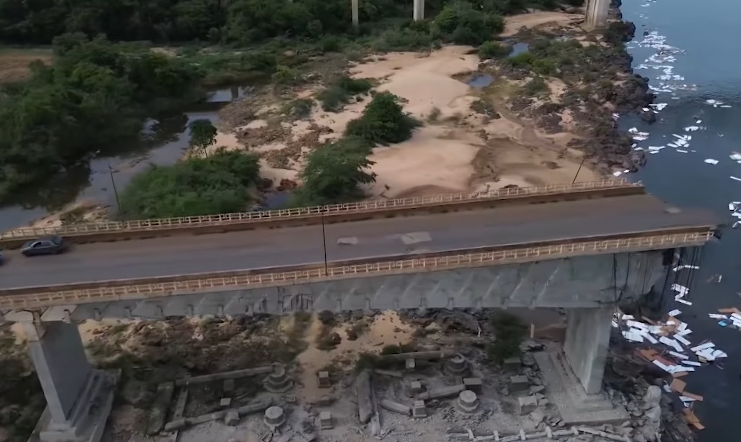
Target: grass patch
[[335, 96]]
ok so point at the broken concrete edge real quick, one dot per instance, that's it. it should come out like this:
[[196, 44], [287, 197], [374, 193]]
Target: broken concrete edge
[[236, 374], [547, 433], [181, 423]]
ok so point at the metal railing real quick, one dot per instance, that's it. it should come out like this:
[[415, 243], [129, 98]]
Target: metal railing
[[139, 289], [334, 209]]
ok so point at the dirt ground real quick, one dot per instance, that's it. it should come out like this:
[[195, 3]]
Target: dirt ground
[[14, 63], [457, 150], [515, 23]]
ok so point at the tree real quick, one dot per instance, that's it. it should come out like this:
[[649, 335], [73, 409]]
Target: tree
[[196, 186], [202, 135], [334, 173], [383, 121]]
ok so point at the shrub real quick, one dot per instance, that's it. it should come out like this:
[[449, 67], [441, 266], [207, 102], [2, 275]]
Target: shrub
[[406, 39], [461, 23], [493, 49], [536, 86], [196, 186], [334, 173], [509, 332], [338, 93], [383, 121]]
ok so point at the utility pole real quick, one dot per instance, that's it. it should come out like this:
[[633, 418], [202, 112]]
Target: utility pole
[[115, 190], [324, 241], [584, 158]]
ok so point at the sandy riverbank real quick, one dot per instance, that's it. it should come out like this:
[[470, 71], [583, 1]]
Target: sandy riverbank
[[461, 149]]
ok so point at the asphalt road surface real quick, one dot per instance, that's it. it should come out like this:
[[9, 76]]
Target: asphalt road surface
[[366, 239]]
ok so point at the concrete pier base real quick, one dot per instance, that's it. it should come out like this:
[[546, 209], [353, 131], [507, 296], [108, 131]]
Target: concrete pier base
[[419, 10], [596, 14], [564, 389], [587, 342], [78, 397]]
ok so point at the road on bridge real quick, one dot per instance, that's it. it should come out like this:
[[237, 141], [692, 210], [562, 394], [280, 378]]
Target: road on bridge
[[394, 237]]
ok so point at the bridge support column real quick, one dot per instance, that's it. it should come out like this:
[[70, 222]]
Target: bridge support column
[[419, 10], [355, 14], [587, 341], [596, 14], [78, 397]]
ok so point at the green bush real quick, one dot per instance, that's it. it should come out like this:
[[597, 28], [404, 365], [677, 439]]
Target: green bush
[[406, 39], [197, 186], [508, 332], [535, 86], [334, 173], [334, 97], [382, 122], [493, 49], [462, 23]]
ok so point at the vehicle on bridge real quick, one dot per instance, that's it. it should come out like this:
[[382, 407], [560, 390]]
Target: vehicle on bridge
[[48, 245]]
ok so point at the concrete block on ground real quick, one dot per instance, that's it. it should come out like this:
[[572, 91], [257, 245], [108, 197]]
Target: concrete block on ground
[[323, 379], [228, 385], [278, 381], [231, 418], [442, 392], [526, 405], [512, 364], [518, 383], [274, 417], [325, 420], [467, 401], [456, 366], [225, 402], [396, 407], [473, 384], [158, 413], [419, 409], [363, 390], [411, 364], [415, 387]]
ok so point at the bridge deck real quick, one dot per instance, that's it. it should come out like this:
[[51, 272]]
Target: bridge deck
[[365, 239]]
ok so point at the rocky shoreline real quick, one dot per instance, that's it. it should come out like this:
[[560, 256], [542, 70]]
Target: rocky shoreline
[[595, 94]]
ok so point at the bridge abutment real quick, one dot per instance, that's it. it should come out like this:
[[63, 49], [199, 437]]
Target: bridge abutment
[[596, 14], [586, 345], [78, 396]]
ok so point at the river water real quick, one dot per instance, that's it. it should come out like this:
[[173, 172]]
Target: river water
[[708, 32]]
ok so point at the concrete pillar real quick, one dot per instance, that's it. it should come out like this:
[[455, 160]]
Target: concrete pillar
[[419, 10], [355, 15], [78, 397], [596, 14], [587, 341]]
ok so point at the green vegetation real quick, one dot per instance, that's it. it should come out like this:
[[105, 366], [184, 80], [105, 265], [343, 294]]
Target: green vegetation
[[382, 122], [196, 186], [95, 95], [335, 96], [508, 332], [334, 173], [535, 86], [493, 49], [570, 61], [298, 109], [464, 23], [202, 136], [242, 22]]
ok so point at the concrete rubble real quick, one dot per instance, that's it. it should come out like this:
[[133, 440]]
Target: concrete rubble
[[455, 394]]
